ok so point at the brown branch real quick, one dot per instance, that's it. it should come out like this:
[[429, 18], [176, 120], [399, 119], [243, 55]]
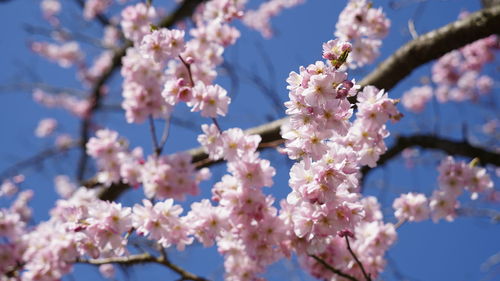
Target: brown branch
[[184, 10], [451, 147], [145, 258], [433, 45], [427, 47]]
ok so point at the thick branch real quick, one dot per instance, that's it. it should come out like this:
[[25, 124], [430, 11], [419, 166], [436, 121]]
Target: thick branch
[[451, 147], [433, 45], [417, 52], [145, 258]]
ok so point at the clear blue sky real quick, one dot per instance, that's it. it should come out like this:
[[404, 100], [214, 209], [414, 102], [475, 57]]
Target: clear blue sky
[[424, 251]]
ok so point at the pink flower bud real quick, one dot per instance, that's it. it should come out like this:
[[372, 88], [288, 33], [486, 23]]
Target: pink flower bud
[[189, 60]]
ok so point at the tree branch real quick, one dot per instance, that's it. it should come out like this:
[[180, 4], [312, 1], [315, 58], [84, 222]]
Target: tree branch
[[451, 147], [144, 258], [433, 45]]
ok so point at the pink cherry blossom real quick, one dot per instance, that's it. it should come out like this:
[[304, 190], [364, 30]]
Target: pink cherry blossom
[[45, 127], [411, 207]]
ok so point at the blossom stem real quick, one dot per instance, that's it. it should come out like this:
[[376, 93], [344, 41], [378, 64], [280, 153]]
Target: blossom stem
[[188, 67], [399, 224], [216, 124]]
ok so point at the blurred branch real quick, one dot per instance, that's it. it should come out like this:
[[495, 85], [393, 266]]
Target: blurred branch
[[67, 35], [28, 86], [144, 258], [493, 215], [35, 160]]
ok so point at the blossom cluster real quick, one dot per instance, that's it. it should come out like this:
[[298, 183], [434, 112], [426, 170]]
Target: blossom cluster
[[457, 76], [93, 8], [369, 241], [65, 55], [101, 64], [411, 207], [13, 224], [457, 73], [142, 86], [416, 98], [454, 178], [245, 224], [164, 176], [163, 70], [365, 27], [50, 10], [136, 21], [318, 107], [331, 148], [260, 19], [45, 127], [320, 111], [84, 226], [78, 107]]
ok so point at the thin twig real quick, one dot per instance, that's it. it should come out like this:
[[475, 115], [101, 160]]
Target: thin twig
[[36, 159], [216, 123], [411, 29], [399, 224], [152, 130], [366, 275], [165, 133]]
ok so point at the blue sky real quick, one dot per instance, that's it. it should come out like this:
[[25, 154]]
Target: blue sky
[[424, 251]]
